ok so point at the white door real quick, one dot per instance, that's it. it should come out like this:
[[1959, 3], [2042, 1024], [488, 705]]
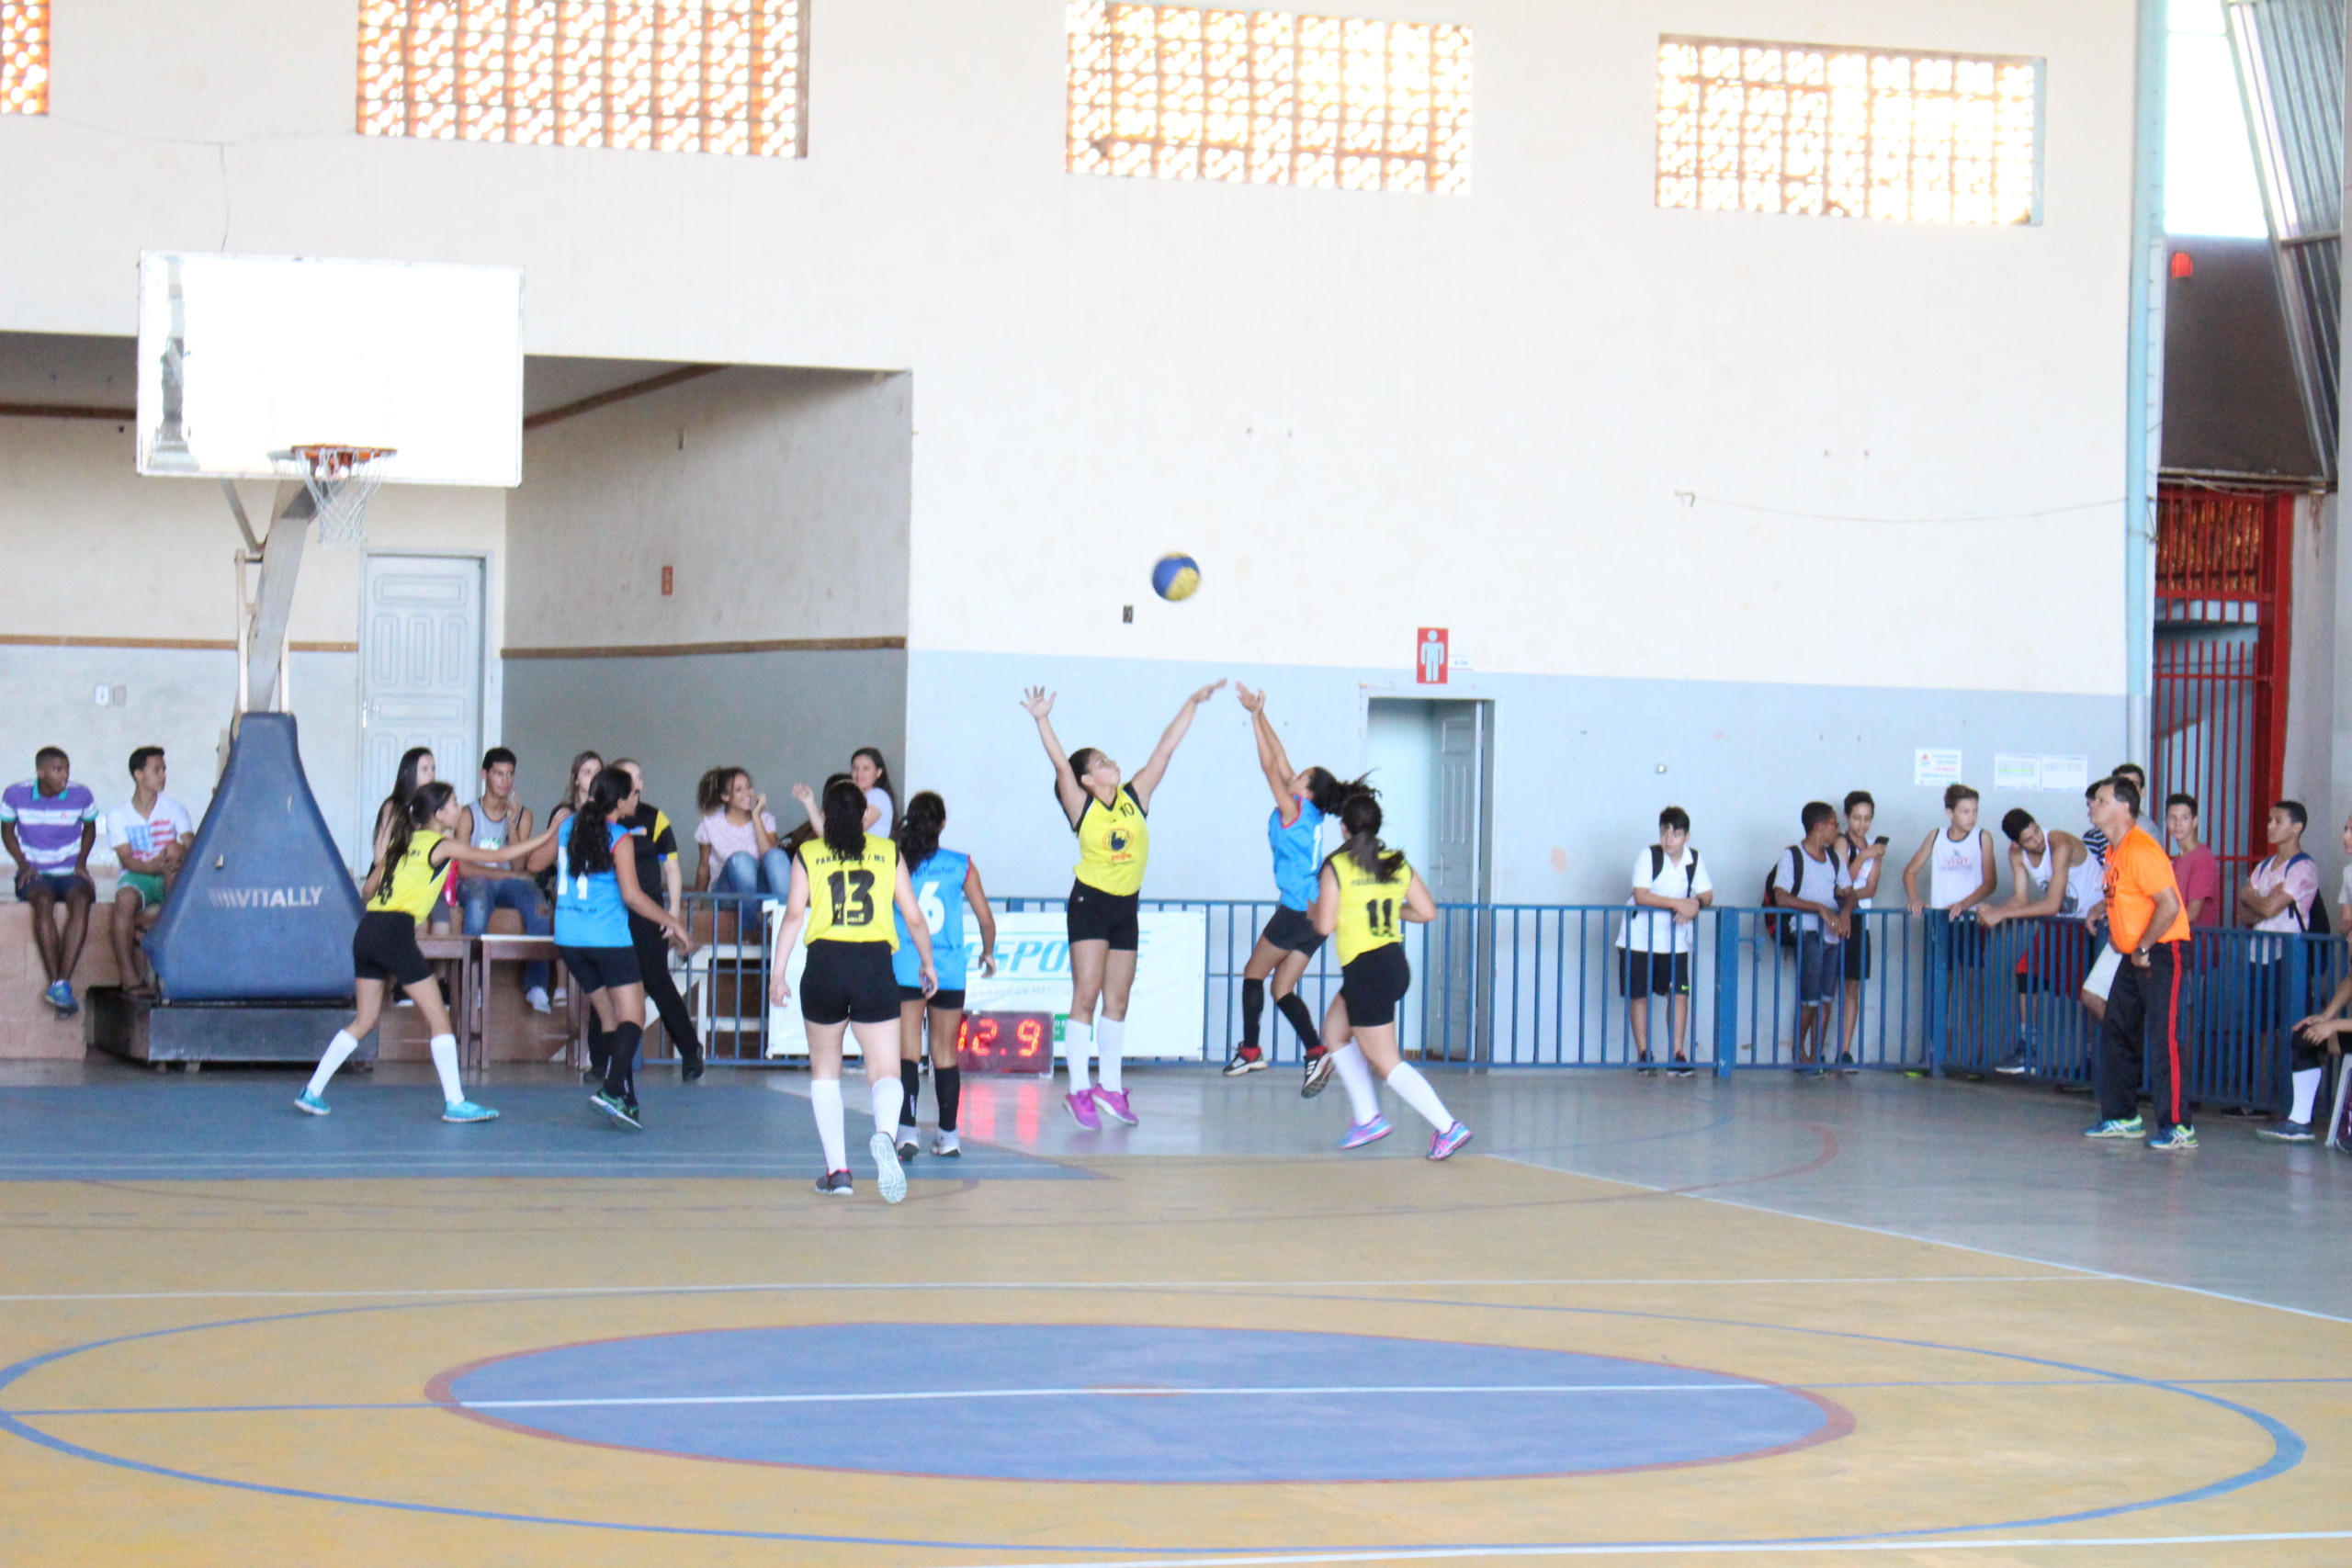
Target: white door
[[420, 674]]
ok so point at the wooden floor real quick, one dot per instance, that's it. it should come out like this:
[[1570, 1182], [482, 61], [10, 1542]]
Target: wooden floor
[[1143, 1358]]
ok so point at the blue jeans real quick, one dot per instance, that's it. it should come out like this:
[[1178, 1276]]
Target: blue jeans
[[1820, 967], [478, 896], [770, 873]]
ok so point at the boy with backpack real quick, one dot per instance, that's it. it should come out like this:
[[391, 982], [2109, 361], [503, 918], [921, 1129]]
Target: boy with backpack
[[1807, 878], [2282, 896], [1653, 944]]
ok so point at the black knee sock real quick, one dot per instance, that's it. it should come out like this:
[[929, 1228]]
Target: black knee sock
[[949, 1084], [1294, 1008], [620, 1072], [1253, 1002], [600, 1045], [909, 1079]]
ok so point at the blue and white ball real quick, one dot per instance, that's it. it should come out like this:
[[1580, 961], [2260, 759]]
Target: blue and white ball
[[1175, 577]]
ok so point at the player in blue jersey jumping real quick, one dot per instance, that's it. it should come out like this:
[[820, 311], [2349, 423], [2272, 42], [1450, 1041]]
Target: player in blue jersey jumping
[[946, 881], [1302, 799]]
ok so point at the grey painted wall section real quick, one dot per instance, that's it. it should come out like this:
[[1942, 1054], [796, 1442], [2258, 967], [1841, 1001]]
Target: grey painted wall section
[[1581, 764], [788, 716], [780, 499]]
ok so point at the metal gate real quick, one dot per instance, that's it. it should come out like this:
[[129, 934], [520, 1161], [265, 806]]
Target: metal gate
[[2223, 590]]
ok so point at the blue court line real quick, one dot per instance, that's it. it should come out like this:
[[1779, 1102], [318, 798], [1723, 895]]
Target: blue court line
[[2288, 1450], [1157, 1393]]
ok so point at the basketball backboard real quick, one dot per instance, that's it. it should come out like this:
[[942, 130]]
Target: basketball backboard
[[241, 357]]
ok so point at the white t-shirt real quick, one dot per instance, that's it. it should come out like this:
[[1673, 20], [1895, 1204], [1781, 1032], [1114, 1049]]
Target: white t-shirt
[[158, 828], [1653, 929], [2301, 878], [1816, 881], [727, 840], [879, 798]]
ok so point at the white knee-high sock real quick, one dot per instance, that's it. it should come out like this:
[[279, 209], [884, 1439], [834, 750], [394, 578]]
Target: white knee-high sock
[[1078, 1044], [1415, 1092], [445, 1062], [1355, 1076], [888, 1094], [339, 1051], [2307, 1084], [1111, 1054], [825, 1100]]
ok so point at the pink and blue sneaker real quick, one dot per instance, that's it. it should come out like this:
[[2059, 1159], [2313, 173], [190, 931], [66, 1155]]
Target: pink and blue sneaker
[[1359, 1133], [1082, 1110], [1445, 1143], [1113, 1102]]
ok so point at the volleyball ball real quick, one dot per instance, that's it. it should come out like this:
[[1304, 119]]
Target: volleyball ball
[[1174, 577]]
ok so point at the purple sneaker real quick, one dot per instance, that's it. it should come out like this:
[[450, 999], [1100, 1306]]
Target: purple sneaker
[[1114, 1103], [1445, 1143], [1362, 1133], [1082, 1110]]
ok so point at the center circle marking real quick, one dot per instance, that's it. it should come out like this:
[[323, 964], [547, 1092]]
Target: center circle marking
[[1134, 1404]]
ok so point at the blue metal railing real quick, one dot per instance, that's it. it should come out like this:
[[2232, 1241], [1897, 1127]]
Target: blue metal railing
[[1543, 986]]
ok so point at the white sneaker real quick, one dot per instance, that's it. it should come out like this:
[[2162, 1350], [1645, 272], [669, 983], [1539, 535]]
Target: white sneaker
[[561, 995], [536, 998], [945, 1145]]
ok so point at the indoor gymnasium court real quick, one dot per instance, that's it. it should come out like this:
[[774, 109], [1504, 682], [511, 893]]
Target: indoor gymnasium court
[[1035, 784]]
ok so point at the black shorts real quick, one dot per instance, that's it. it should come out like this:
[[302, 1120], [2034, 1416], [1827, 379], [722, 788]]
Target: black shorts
[[601, 968], [1097, 915], [1858, 950], [1293, 930], [849, 982], [1641, 973], [946, 1001], [384, 948], [1373, 983]]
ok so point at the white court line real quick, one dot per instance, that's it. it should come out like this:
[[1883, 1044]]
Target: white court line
[[1112, 1285], [1107, 1392], [2082, 1269], [1660, 1548]]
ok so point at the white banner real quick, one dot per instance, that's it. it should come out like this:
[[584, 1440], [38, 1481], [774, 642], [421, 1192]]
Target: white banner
[[1165, 1011]]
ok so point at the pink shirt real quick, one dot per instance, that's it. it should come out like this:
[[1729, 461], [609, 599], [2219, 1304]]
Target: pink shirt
[[2200, 875]]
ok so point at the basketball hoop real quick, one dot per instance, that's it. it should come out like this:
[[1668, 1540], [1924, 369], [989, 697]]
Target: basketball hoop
[[342, 480]]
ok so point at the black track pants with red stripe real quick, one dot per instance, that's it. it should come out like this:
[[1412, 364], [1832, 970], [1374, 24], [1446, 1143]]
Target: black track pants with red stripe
[[2147, 1022]]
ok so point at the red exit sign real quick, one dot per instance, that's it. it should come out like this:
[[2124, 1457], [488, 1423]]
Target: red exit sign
[[1007, 1042]]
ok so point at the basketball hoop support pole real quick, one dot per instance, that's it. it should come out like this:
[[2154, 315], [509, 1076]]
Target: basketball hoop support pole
[[261, 682]]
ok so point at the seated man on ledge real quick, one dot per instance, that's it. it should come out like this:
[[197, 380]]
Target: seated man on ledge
[[49, 823], [492, 822], [150, 834]]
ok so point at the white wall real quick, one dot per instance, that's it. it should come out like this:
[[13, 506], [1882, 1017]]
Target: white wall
[[1361, 411]]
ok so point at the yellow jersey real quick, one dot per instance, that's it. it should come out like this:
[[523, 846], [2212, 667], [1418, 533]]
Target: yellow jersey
[[1369, 907], [850, 896], [413, 886], [1114, 842]]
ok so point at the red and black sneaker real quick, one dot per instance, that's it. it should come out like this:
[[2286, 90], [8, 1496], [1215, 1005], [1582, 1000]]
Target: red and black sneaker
[[1245, 1059], [1320, 1063]]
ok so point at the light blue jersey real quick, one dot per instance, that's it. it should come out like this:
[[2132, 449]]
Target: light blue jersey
[[588, 910], [939, 894], [1298, 853]]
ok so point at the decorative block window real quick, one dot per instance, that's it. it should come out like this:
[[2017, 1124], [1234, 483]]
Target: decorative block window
[[1837, 132], [1268, 98], [663, 75], [23, 56]]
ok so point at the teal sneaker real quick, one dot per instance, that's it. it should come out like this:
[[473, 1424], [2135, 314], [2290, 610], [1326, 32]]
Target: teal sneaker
[[2112, 1128], [2175, 1139], [617, 1109], [311, 1103], [467, 1110], [888, 1174]]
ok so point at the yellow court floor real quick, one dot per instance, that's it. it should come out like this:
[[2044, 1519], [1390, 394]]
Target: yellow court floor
[[712, 1370]]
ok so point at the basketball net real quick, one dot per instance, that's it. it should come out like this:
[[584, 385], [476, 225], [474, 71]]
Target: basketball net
[[342, 480]]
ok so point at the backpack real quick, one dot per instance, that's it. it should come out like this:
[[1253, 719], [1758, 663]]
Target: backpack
[[1781, 925], [2319, 921]]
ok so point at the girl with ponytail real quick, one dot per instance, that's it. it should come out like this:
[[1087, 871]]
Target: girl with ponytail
[[416, 843], [1302, 798], [844, 877], [1364, 889], [596, 890], [946, 883]]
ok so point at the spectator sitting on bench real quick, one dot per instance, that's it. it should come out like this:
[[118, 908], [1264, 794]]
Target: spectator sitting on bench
[[149, 835], [492, 822], [49, 823]]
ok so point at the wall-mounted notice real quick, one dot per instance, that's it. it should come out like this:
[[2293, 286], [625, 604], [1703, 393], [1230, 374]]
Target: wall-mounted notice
[[1932, 767], [2066, 773], [2014, 771]]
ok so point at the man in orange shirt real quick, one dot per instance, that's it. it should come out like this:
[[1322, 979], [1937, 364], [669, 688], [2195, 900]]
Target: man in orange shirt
[[2147, 1012]]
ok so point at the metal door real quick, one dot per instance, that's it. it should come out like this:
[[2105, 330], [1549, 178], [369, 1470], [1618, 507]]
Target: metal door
[[420, 676], [1456, 1028]]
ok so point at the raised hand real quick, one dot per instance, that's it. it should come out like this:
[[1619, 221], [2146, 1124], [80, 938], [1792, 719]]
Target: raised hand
[[1205, 693], [1254, 701], [1039, 701], [805, 795]]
